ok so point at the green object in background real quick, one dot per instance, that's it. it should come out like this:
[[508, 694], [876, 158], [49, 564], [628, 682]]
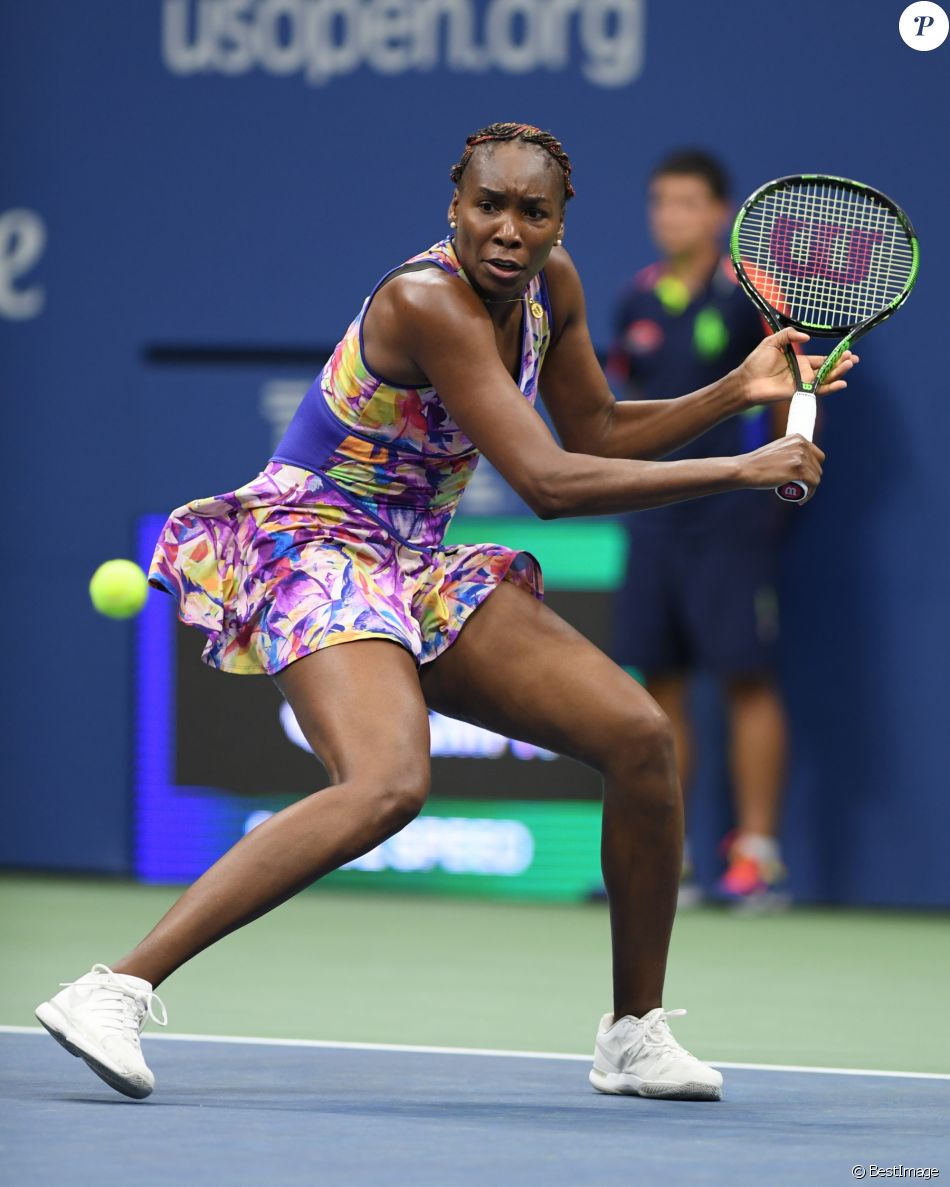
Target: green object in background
[[710, 336], [577, 554], [507, 848], [755, 410], [672, 293]]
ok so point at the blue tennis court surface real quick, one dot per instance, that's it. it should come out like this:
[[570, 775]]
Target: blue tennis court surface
[[238, 1113]]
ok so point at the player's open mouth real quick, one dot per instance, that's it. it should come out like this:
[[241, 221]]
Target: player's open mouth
[[504, 268]]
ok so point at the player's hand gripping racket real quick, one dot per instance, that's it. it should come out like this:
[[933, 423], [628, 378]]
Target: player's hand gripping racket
[[829, 257]]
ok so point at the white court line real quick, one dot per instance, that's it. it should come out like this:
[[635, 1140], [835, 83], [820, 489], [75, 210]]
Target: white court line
[[337, 1045]]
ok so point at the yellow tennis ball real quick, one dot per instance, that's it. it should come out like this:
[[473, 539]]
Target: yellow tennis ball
[[118, 589]]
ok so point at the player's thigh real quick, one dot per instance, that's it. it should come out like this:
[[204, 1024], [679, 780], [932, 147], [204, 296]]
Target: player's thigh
[[731, 607], [360, 707], [519, 669]]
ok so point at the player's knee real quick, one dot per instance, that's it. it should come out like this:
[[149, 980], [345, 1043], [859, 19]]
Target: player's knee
[[401, 795], [643, 741]]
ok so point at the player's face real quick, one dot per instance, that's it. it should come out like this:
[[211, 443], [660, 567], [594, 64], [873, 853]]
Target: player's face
[[509, 209], [685, 215]]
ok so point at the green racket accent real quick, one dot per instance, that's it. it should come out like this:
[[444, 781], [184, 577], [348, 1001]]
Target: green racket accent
[[915, 244], [829, 364]]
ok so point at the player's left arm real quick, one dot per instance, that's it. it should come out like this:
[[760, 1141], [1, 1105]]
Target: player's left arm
[[590, 420]]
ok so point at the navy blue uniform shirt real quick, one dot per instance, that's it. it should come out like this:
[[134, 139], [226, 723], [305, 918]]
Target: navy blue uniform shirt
[[667, 344]]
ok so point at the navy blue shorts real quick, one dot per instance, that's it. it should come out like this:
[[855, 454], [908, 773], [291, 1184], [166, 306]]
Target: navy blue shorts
[[697, 603]]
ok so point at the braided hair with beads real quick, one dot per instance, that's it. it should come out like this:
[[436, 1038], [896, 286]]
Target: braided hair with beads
[[529, 134]]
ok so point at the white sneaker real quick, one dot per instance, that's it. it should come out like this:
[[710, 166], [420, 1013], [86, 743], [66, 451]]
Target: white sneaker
[[99, 1018], [640, 1057]]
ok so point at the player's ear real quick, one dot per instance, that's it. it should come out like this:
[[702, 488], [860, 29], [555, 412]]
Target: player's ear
[[453, 210]]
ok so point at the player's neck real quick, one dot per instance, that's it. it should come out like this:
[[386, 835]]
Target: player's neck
[[694, 268], [506, 310]]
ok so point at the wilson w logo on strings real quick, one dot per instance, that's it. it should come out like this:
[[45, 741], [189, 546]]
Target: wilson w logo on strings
[[825, 251]]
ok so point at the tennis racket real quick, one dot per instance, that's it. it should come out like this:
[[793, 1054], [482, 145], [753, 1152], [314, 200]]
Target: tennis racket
[[830, 257]]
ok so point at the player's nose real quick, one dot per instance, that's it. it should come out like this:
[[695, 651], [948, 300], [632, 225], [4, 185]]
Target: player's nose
[[506, 232]]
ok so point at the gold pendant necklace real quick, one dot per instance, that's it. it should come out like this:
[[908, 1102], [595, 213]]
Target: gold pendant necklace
[[537, 309]]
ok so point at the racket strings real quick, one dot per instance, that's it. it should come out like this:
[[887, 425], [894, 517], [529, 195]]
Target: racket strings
[[825, 255]]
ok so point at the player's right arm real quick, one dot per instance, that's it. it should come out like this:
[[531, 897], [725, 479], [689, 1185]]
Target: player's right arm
[[445, 332], [590, 420]]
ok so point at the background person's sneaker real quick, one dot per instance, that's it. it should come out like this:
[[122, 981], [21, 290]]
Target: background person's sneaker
[[99, 1019], [640, 1057], [755, 876]]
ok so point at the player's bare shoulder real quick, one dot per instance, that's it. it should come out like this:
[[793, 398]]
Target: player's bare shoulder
[[564, 289], [418, 292], [415, 312]]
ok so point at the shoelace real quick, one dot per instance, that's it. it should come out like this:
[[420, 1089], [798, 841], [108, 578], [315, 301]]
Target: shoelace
[[657, 1034], [126, 1007]]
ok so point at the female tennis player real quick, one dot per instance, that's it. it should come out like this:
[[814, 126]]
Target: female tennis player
[[328, 572]]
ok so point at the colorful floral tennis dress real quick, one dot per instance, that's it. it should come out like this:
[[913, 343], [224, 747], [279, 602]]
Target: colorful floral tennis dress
[[341, 536]]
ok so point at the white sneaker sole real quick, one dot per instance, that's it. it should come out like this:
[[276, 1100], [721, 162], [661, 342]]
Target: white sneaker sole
[[626, 1084], [56, 1022]]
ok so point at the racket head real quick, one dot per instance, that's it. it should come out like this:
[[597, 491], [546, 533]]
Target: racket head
[[824, 254]]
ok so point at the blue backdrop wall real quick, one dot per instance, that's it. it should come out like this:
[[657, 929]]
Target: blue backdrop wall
[[237, 173]]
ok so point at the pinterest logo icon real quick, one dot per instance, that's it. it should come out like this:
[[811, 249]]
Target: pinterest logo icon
[[924, 25]]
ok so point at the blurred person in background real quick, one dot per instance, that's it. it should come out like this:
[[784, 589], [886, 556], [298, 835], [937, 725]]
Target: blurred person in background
[[699, 594]]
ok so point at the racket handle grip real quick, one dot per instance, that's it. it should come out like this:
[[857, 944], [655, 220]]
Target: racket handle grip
[[801, 420]]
